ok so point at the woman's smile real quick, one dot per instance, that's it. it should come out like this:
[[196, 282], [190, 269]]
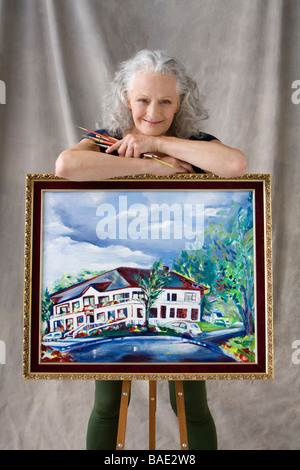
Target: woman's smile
[[152, 123]]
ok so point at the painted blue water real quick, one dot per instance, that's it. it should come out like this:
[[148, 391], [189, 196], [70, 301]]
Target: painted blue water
[[147, 349]]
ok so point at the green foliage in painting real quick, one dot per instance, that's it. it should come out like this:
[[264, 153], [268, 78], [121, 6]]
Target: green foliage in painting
[[152, 285], [241, 348], [225, 264], [46, 309]]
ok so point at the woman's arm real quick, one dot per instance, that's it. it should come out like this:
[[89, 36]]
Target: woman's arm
[[84, 162], [213, 156]]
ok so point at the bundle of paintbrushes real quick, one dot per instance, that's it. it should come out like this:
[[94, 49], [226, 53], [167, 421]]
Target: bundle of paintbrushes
[[105, 141]]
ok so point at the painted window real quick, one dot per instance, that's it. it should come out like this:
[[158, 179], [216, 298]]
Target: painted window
[[122, 313], [181, 312], [163, 310], [137, 294], [75, 306], [111, 315], [172, 297], [195, 314], [63, 309], [153, 312], [88, 300], [101, 316], [190, 297], [121, 297], [139, 313]]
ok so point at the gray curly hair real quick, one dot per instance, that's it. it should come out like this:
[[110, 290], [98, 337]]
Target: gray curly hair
[[116, 115]]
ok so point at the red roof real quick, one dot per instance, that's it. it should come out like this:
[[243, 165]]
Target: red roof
[[120, 278]]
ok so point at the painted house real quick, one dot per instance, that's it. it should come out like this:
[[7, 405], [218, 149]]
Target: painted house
[[115, 297]]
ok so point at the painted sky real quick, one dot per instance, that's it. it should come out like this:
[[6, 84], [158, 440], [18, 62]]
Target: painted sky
[[75, 224]]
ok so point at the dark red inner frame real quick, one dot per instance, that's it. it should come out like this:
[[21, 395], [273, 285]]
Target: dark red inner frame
[[149, 368]]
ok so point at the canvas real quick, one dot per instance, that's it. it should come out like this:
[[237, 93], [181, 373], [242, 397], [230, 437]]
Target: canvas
[[149, 278]]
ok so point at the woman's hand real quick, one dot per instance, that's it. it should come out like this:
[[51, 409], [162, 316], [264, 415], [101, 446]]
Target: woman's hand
[[133, 145]]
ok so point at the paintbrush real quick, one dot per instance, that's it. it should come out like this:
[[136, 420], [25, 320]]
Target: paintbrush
[[98, 141], [156, 157], [106, 141], [104, 137]]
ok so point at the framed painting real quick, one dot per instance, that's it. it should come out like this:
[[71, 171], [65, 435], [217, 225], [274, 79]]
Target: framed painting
[[148, 278]]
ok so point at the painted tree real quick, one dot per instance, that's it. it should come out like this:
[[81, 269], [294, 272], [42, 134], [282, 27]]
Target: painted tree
[[198, 267], [152, 285], [46, 309], [225, 263], [232, 253]]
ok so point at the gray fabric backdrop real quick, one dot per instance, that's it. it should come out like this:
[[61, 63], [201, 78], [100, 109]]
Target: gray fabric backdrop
[[55, 59]]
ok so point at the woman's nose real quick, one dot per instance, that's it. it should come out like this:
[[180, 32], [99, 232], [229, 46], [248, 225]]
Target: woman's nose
[[153, 110]]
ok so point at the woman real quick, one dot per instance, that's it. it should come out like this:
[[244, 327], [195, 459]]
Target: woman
[[152, 107]]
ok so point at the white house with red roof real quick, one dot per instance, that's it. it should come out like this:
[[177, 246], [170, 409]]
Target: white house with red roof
[[115, 297]]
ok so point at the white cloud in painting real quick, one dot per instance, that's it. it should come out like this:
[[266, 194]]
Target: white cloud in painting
[[56, 227], [65, 212], [64, 255], [208, 198], [216, 212]]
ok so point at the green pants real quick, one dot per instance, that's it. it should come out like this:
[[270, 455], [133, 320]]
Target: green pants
[[103, 422]]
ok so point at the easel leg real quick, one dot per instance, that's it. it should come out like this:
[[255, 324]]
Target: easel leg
[[123, 415], [181, 414], [152, 412]]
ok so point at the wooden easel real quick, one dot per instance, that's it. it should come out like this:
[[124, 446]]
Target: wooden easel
[[152, 413]]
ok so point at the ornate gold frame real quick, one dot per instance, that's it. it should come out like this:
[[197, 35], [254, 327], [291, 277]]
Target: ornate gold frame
[[29, 373]]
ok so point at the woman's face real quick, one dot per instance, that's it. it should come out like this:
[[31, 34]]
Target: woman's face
[[153, 101]]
